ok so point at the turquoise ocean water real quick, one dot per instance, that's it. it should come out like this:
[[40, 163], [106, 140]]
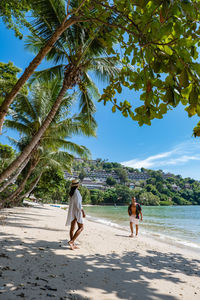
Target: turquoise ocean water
[[179, 224]]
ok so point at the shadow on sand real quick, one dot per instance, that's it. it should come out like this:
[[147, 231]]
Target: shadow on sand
[[43, 264]]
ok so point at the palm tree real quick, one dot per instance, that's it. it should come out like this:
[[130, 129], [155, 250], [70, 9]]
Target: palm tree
[[29, 114], [40, 9], [44, 158], [59, 15], [81, 53], [13, 178]]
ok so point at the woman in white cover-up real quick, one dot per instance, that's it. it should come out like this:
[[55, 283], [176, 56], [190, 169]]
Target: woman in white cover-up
[[75, 213]]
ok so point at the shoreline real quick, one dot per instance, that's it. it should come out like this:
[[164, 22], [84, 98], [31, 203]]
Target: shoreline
[[162, 238], [36, 262]]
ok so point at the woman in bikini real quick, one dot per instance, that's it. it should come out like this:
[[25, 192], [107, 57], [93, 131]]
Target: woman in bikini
[[134, 210]]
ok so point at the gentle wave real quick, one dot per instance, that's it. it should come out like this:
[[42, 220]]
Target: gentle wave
[[161, 237], [105, 222]]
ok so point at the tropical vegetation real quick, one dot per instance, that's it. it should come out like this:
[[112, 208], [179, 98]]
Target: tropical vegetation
[[55, 150], [156, 189], [147, 46], [161, 37]]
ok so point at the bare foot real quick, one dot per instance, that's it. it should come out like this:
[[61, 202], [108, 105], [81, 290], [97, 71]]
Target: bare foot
[[131, 235], [71, 244], [76, 247]]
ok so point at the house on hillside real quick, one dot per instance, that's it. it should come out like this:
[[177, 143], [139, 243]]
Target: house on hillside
[[79, 160], [167, 175], [71, 176], [91, 184], [92, 162], [175, 187], [138, 176]]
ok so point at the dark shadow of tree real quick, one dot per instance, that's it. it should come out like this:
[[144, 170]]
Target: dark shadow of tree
[[43, 268], [43, 264], [15, 216]]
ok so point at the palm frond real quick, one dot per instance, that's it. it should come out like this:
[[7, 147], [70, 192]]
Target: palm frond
[[21, 128], [81, 151], [25, 107], [86, 103], [104, 68], [57, 54], [63, 158], [14, 142], [89, 83], [48, 15], [48, 74], [18, 116], [88, 125]]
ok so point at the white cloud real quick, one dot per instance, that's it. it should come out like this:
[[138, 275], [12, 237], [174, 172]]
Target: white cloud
[[182, 159], [179, 155]]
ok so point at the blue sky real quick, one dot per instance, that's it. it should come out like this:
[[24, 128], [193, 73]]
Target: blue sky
[[167, 144]]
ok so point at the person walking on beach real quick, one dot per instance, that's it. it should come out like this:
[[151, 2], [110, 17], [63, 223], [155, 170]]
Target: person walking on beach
[[75, 213], [134, 210]]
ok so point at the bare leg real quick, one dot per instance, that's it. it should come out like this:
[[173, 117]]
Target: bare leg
[[136, 227], [77, 233], [131, 227], [71, 233]]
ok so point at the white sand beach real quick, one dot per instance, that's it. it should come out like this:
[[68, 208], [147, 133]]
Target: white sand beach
[[36, 263]]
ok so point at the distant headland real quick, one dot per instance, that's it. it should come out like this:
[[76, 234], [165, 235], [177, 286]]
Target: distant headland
[[111, 182]]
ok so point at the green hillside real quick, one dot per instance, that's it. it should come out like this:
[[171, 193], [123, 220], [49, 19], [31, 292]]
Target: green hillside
[[120, 183]]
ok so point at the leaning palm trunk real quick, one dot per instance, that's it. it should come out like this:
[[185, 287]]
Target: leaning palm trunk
[[71, 78], [32, 187], [32, 66], [15, 176], [16, 193]]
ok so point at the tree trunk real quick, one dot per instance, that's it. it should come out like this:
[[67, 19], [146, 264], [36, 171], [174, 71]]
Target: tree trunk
[[33, 185], [71, 77], [31, 68], [14, 177], [20, 188]]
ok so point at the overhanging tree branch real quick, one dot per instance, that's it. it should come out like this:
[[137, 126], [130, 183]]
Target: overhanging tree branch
[[32, 66]]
